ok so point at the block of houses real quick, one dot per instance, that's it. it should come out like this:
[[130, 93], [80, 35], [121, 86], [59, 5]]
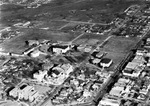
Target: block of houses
[[141, 52]]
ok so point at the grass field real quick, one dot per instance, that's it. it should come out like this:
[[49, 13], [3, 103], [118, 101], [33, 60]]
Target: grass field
[[54, 25], [120, 44], [88, 37], [85, 10]]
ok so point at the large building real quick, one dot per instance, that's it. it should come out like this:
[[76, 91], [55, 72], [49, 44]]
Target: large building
[[59, 49], [24, 92], [55, 75]]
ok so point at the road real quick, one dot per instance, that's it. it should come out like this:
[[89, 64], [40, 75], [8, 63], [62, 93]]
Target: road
[[76, 38]]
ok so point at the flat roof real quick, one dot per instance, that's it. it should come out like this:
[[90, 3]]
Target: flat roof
[[106, 60]]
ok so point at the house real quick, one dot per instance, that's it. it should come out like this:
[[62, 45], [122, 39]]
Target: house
[[87, 49], [141, 52], [106, 62], [148, 41], [96, 61], [139, 59], [81, 47], [100, 54]]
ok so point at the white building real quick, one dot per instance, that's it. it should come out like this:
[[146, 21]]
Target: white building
[[25, 92], [36, 53], [59, 49], [105, 62], [40, 75], [59, 74], [14, 92], [109, 102]]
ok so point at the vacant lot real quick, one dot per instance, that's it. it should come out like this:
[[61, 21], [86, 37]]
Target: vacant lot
[[95, 10], [120, 44], [88, 38], [54, 25]]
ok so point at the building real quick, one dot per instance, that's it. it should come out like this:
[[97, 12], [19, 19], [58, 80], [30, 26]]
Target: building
[[96, 61], [36, 53], [44, 48], [87, 49], [40, 75], [148, 41], [141, 52], [109, 102], [116, 91], [32, 42], [24, 92], [57, 75], [14, 92], [133, 69], [106, 62], [60, 49]]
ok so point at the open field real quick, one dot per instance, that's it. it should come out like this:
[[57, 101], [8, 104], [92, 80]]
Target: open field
[[84, 10], [88, 37], [17, 44], [54, 25], [120, 44]]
